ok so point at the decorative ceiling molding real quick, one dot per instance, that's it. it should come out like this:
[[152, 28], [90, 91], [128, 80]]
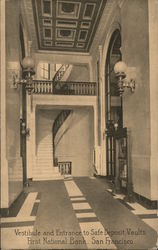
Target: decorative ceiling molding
[[66, 25], [28, 21], [109, 16]]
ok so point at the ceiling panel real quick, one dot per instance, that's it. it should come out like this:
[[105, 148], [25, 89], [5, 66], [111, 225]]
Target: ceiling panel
[[66, 25]]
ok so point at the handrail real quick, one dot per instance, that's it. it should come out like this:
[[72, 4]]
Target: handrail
[[57, 124], [59, 74], [76, 88], [59, 120], [64, 87]]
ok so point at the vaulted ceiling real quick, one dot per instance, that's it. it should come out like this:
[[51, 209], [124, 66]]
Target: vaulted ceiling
[[66, 25]]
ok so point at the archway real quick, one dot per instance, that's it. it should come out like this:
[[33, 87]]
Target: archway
[[113, 102]]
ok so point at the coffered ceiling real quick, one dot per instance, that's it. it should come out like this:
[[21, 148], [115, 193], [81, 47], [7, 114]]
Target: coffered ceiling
[[66, 25]]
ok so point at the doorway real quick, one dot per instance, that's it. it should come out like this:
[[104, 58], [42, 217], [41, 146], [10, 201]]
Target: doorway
[[113, 102]]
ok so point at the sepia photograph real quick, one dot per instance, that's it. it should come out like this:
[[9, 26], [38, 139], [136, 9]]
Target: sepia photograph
[[79, 124]]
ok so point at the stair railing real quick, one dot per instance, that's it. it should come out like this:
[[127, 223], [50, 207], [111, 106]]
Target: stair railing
[[65, 167], [59, 74], [57, 124]]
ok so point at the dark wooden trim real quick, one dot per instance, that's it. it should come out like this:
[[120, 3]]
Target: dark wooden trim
[[14, 208], [145, 202], [4, 212]]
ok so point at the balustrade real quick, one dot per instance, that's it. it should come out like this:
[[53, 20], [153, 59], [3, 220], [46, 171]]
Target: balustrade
[[42, 87], [64, 88], [65, 167]]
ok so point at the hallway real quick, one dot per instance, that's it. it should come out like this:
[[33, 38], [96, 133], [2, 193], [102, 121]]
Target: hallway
[[77, 213]]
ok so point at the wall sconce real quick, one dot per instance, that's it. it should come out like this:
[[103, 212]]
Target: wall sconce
[[24, 130], [28, 71], [120, 69], [116, 126]]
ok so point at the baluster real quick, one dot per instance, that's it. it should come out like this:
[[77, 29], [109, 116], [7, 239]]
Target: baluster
[[64, 168], [93, 89], [85, 84], [87, 89], [83, 88], [73, 88], [67, 168], [47, 87], [69, 88], [39, 87], [35, 87], [51, 87], [79, 92], [90, 89]]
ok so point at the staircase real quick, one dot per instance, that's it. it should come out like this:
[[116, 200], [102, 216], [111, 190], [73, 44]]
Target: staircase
[[44, 162], [57, 134]]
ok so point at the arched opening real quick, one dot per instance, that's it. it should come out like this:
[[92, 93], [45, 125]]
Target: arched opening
[[113, 102]]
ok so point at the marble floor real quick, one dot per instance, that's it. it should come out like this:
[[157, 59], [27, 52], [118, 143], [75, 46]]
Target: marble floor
[[78, 213]]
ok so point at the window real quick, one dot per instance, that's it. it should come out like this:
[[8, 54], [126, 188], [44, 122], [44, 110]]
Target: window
[[45, 71]]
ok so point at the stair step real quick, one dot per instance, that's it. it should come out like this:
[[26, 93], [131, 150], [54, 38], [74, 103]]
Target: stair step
[[45, 165], [51, 175], [49, 160], [42, 178], [44, 173], [45, 147]]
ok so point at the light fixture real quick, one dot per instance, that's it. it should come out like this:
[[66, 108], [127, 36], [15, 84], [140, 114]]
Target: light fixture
[[28, 72], [120, 70], [24, 131], [116, 126]]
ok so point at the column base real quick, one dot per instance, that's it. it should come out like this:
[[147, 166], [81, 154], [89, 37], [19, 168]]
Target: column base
[[130, 197]]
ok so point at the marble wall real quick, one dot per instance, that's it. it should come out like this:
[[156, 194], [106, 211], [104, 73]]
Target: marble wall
[[14, 160], [79, 73], [136, 106], [77, 144], [137, 21]]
